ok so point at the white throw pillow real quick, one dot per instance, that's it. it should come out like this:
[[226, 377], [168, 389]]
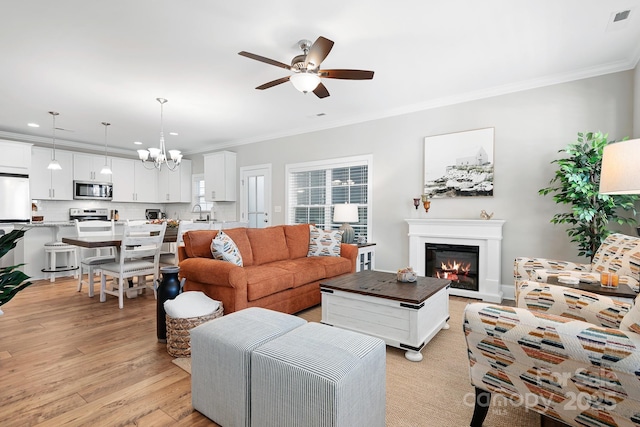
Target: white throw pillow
[[324, 243], [224, 248]]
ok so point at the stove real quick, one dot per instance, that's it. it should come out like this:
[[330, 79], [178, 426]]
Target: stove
[[99, 214]]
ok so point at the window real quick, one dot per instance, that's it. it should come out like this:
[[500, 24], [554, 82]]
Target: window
[[313, 189], [198, 193]]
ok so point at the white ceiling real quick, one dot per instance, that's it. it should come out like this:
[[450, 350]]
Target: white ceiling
[[108, 61]]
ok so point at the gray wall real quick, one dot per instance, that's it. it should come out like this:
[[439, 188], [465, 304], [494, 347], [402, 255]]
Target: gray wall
[[530, 127]]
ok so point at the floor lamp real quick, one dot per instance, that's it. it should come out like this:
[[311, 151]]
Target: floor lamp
[[346, 213]]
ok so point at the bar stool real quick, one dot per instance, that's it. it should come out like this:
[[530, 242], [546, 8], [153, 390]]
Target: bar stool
[[51, 250]]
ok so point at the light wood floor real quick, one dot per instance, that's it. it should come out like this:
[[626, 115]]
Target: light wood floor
[[67, 359]]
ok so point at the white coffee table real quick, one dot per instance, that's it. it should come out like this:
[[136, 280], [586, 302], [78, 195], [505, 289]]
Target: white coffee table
[[404, 315]]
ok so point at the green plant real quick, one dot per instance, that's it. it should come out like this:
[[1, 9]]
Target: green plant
[[576, 183], [12, 280]]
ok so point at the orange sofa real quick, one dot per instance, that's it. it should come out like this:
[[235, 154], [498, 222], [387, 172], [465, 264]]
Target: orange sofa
[[276, 272]]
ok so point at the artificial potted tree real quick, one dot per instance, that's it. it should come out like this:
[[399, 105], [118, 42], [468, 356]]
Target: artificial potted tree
[[576, 183], [12, 280]]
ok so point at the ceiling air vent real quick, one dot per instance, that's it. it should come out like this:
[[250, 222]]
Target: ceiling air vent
[[621, 16], [618, 20]]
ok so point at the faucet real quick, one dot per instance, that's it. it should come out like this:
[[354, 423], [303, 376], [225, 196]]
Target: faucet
[[199, 210]]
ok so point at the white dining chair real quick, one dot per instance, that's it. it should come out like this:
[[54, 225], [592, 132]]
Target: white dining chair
[[91, 264], [183, 227], [139, 257]]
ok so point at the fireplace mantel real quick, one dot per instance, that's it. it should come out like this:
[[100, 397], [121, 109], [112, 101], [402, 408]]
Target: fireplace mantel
[[486, 234]]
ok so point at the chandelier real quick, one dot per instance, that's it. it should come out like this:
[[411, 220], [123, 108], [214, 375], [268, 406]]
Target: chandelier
[[158, 156]]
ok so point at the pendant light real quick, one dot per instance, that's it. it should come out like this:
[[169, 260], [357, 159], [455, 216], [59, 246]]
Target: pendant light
[[106, 170], [54, 164]]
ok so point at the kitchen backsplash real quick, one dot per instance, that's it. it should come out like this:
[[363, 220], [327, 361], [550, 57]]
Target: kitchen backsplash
[[55, 210]]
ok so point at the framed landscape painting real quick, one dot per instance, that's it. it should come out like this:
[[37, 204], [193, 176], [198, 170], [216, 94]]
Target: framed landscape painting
[[459, 164]]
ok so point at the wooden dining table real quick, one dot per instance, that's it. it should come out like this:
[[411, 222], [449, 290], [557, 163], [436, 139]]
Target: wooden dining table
[[93, 242]]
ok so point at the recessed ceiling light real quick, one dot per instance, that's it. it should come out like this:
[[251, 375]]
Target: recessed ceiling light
[[33, 125], [173, 133], [137, 142]]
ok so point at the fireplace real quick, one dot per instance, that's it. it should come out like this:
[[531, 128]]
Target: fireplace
[[484, 234], [458, 263]]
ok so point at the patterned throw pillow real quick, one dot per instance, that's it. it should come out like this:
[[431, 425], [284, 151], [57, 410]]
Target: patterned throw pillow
[[225, 249], [631, 321], [324, 243]]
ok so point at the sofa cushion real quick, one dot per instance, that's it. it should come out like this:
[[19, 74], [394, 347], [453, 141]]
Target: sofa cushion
[[324, 243], [297, 240], [197, 243], [224, 248], [334, 266], [265, 280], [305, 270], [268, 244], [239, 236]]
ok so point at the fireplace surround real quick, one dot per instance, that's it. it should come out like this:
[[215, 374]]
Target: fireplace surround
[[485, 234]]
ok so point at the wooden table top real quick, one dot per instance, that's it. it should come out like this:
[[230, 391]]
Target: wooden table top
[[105, 241], [386, 285], [622, 291]]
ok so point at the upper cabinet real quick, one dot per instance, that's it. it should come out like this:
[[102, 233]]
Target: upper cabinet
[[132, 182], [49, 184], [87, 167], [172, 185], [220, 176], [16, 157]]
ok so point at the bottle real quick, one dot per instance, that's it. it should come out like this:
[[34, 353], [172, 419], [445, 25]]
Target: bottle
[[117, 215]]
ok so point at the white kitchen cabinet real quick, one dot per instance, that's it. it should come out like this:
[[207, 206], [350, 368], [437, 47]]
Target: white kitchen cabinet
[[220, 176], [46, 184], [185, 181], [175, 186], [123, 179], [87, 167], [132, 182], [146, 183], [169, 185], [16, 157]]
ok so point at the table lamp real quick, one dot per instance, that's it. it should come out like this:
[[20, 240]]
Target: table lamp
[[620, 173], [346, 213]]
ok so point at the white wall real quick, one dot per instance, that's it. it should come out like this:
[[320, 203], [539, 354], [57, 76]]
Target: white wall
[[530, 128]]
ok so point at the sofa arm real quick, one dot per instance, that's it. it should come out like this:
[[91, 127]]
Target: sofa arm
[[568, 369], [571, 303], [351, 253], [523, 267]]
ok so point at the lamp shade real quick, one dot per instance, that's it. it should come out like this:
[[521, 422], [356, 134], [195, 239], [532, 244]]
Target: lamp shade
[[620, 173], [345, 213]]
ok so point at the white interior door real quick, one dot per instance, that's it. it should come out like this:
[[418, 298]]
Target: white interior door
[[256, 195]]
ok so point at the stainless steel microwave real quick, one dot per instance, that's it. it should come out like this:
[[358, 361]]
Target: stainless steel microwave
[[92, 190]]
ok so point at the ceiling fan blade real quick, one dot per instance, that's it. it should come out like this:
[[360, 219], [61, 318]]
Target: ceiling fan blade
[[321, 91], [273, 83], [346, 74], [318, 52], [265, 60]]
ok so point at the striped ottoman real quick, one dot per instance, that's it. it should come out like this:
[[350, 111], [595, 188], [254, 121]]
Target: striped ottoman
[[318, 375], [220, 361]]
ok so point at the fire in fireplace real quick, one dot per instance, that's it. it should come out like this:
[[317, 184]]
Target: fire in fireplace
[[458, 263]]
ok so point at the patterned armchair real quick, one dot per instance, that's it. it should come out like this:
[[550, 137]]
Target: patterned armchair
[[570, 355], [618, 253]]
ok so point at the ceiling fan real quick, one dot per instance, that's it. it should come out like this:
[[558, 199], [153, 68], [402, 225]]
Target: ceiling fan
[[306, 68]]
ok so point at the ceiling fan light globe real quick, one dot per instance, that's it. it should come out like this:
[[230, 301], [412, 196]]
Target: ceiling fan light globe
[[305, 82]]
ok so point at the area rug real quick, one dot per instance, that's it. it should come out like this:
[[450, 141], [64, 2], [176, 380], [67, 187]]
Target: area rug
[[435, 391]]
